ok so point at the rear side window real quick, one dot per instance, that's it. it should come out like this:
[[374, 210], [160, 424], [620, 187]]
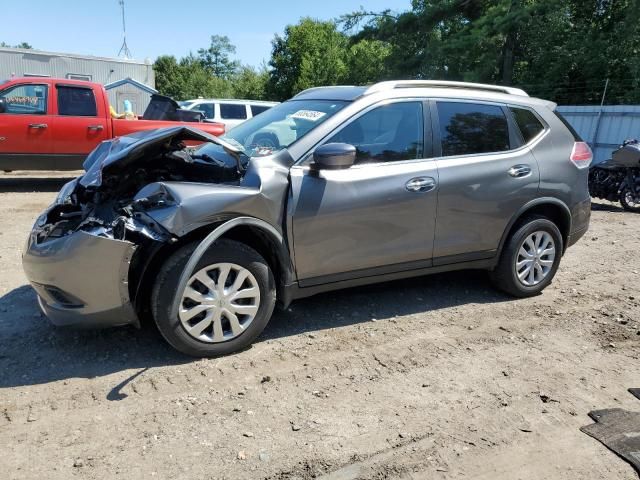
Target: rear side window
[[77, 102], [469, 128], [233, 111], [575, 134], [258, 109], [25, 100], [529, 125]]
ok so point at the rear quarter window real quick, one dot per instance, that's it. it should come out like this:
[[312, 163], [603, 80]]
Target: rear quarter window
[[528, 124], [258, 109], [575, 134]]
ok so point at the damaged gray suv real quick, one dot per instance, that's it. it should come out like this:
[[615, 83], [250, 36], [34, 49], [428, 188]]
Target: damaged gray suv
[[337, 187]]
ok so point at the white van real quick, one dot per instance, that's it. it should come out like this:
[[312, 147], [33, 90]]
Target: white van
[[229, 112]]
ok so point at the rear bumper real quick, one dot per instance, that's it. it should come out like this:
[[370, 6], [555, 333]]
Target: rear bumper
[[81, 279], [580, 218]]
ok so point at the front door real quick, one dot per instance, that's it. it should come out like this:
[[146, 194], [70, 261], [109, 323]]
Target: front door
[[81, 124], [377, 216], [25, 127]]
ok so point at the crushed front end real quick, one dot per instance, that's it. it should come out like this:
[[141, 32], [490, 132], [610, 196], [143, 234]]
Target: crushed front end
[[82, 251]]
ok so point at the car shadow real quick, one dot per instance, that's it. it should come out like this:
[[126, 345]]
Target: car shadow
[[606, 207], [383, 301], [32, 184], [32, 351]]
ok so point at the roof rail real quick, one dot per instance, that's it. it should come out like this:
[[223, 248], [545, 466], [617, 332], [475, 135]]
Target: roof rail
[[381, 86]]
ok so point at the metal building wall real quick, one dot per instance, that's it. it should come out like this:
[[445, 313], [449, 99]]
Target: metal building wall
[[604, 128], [139, 98], [19, 62]]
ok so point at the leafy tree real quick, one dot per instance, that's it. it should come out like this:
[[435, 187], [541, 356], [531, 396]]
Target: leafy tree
[[558, 49], [366, 62], [309, 54], [23, 45], [216, 58], [250, 83]]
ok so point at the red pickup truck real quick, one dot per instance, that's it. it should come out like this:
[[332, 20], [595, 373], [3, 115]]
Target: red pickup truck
[[52, 124]]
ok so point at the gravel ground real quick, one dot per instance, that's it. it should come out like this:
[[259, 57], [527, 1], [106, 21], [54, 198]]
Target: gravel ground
[[439, 377]]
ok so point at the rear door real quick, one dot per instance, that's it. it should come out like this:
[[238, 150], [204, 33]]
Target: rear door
[[81, 122], [377, 216], [486, 176], [25, 126]]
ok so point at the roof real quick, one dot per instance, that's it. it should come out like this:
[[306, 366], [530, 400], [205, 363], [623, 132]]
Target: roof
[[130, 81], [43, 53], [232, 100]]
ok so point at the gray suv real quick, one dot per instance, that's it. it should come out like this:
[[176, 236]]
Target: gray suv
[[337, 187]]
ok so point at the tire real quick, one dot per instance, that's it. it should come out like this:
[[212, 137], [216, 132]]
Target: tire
[[210, 344], [634, 206], [505, 275]]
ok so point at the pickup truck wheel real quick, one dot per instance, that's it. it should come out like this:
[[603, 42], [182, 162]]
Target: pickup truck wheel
[[227, 302], [529, 259]]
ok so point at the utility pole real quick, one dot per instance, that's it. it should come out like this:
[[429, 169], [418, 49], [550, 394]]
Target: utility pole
[[124, 49]]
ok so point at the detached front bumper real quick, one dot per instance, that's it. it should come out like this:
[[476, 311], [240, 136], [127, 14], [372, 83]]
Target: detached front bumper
[[81, 279]]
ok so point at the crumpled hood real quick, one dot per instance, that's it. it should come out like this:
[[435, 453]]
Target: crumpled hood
[[122, 151]]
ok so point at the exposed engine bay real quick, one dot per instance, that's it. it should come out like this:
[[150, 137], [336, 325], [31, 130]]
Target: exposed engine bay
[[103, 201]]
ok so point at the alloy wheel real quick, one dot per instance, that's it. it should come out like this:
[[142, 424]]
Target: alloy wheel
[[535, 258], [219, 302]]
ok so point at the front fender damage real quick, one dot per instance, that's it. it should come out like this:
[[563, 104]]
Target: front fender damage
[[149, 191]]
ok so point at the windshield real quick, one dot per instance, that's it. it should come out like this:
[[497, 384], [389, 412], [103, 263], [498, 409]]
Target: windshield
[[280, 126], [186, 103]]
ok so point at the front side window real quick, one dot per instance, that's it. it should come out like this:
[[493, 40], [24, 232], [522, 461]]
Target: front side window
[[470, 128], [529, 125], [388, 133], [25, 100], [233, 111], [76, 101]]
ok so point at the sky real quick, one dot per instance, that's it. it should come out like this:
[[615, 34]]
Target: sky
[[166, 27]]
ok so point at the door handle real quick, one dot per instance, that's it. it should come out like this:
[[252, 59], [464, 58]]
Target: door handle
[[420, 184], [38, 125], [95, 127], [519, 171]]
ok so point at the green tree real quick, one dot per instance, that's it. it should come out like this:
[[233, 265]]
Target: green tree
[[366, 62], [24, 45], [309, 54], [559, 49], [217, 57], [250, 83]]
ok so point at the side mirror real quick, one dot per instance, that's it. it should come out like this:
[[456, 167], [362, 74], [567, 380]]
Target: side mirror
[[334, 156], [3, 105]]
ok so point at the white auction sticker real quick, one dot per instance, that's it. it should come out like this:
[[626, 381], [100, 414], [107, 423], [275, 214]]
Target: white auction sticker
[[311, 115]]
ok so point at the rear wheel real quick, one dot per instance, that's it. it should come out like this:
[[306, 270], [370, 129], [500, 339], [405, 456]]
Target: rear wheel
[[225, 305], [630, 200], [530, 258]]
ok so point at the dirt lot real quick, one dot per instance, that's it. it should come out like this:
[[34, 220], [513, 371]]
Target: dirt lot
[[439, 377]]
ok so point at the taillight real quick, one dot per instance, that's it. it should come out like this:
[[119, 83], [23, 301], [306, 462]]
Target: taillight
[[581, 155]]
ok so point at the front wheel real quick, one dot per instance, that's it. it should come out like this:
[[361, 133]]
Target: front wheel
[[630, 200], [226, 303], [529, 259]]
